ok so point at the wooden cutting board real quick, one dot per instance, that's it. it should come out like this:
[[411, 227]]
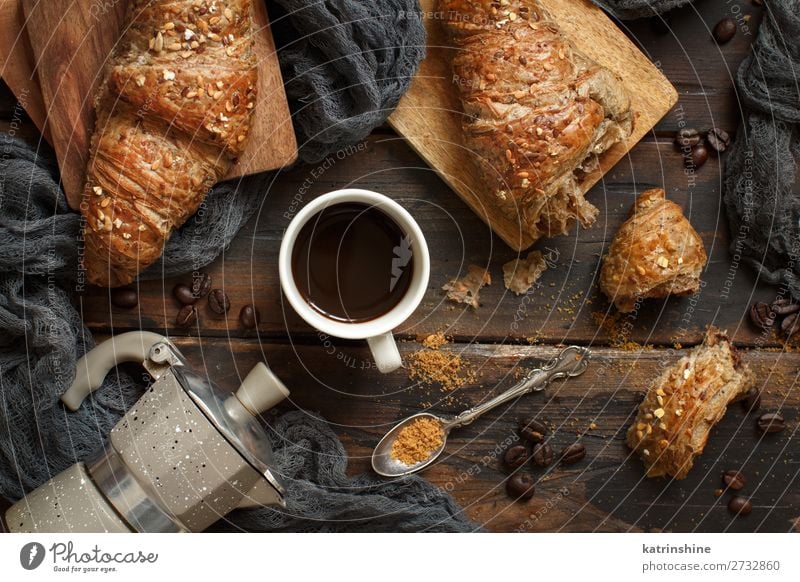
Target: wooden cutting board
[[16, 64], [429, 115], [71, 41]]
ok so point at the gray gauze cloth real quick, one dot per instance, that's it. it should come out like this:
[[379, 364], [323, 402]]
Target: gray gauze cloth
[[761, 191]]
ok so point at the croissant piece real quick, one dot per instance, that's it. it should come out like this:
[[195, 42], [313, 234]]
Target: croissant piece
[[655, 253], [172, 115], [537, 111], [685, 402]]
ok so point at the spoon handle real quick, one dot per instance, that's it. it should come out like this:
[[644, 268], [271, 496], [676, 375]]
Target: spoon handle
[[572, 361]]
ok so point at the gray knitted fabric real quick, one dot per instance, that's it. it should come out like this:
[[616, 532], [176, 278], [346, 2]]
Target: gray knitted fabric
[[345, 64], [761, 189], [42, 337]]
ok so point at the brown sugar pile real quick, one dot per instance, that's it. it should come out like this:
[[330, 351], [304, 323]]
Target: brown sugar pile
[[434, 341], [435, 366], [418, 440]]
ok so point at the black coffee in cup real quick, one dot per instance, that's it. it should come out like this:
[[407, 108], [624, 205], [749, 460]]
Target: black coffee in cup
[[351, 262]]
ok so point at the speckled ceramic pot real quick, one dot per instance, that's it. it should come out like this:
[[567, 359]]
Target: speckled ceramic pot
[[184, 456]]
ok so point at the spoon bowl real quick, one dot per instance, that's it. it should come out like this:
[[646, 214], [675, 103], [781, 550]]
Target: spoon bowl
[[383, 463]]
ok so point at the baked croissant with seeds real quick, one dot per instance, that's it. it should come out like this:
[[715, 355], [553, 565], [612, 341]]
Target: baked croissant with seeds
[[684, 403], [655, 253], [537, 111], [172, 115]]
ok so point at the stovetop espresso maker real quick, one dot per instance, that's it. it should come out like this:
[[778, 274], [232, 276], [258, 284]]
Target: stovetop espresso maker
[[184, 456]]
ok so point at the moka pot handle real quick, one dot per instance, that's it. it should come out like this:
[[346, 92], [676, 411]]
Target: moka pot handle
[[94, 366]]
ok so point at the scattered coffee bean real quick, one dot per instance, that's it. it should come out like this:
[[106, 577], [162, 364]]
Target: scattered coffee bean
[[771, 422], [201, 285], [740, 505], [785, 307], [249, 317], [718, 139], [725, 30], [573, 453], [515, 456], [761, 315], [734, 480], [124, 298], [790, 325], [533, 431], [718, 492], [752, 400], [218, 301], [183, 294], [186, 316], [542, 454], [520, 486], [698, 157], [687, 138]]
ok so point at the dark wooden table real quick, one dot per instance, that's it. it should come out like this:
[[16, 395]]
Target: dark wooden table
[[607, 491]]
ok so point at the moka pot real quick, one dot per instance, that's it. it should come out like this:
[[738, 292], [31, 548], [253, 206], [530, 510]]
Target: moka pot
[[184, 456]]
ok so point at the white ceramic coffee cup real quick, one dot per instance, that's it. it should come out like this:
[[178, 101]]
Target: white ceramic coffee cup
[[378, 331]]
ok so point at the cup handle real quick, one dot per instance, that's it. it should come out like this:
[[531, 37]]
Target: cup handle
[[385, 352]]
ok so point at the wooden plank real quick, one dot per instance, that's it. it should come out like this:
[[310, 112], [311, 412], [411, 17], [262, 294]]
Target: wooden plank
[[429, 115], [16, 66], [72, 41], [606, 492], [560, 310]]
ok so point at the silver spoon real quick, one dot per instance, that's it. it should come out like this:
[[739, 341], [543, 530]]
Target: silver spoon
[[571, 362]]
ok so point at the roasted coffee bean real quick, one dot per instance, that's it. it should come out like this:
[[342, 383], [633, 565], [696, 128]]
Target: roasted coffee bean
[[520, 486], [515, 456], [183, 294], [124, 298], [752, 400], [790, 325], [573, 453], [542, 454], [734, 480], [201, 285], [740, 505], [725, 30], [532, 430], [698, 157], [761, 315], [218, 301], [771, 422], [718, 139], [186, 316], [784, 307], [687, 138], [249, 317]]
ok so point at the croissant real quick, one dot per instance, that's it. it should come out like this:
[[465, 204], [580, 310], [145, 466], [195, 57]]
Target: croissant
[[684, 403], [655, 253], [173, 113], [537, 111]]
